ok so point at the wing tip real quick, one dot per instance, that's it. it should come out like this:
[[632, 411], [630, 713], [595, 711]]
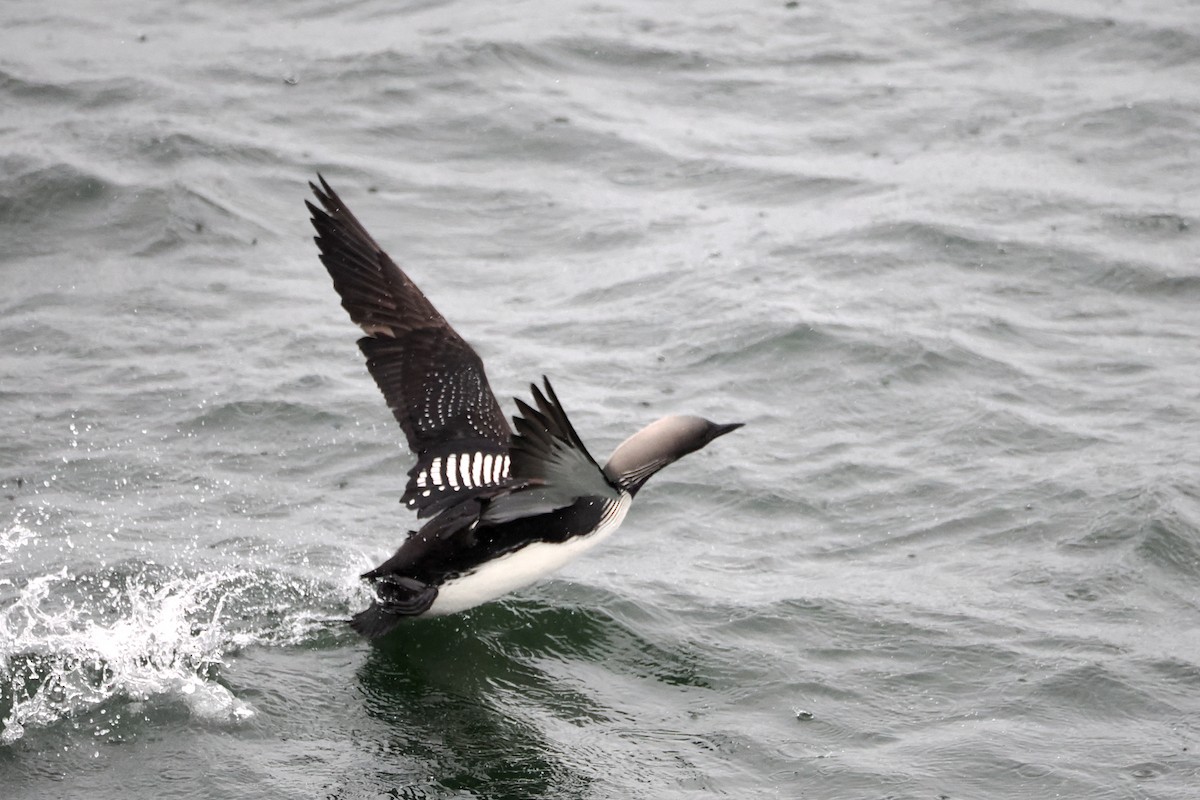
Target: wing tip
[[327, 196]]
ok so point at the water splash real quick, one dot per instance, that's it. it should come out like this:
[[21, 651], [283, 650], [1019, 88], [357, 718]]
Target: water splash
[[166, 640], [72, 643], [12, 539]]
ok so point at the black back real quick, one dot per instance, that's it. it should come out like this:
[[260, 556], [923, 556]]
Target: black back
[[453, 544]]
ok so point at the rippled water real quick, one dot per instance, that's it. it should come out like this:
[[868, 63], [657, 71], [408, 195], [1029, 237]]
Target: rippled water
[[941, 258]]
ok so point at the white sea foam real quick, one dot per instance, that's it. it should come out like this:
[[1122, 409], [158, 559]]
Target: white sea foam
[[167, 639], [12, 539]]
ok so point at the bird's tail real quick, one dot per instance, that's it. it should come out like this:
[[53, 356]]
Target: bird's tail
[[396, 598]]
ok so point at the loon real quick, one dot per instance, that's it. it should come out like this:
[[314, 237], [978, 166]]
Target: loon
[[504, 507]]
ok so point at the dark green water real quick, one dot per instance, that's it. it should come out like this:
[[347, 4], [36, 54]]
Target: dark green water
[[941, 258]]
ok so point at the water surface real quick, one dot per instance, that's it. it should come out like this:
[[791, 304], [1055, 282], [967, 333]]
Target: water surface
[[940, 257]]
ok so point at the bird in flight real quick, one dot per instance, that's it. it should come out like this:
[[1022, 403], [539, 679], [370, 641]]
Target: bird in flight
[[503, 505]]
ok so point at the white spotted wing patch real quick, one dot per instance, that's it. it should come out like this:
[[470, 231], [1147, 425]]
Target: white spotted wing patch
[[458, 399], [456, 472]]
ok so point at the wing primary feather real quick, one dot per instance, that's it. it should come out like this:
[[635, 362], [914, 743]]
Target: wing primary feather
[[554, 410]]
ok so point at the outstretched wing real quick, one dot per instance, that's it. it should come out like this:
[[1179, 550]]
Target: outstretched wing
[[433, 381], [551, 460]]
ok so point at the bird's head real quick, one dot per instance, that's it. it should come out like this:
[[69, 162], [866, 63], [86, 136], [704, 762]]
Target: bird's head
[[659, 444]]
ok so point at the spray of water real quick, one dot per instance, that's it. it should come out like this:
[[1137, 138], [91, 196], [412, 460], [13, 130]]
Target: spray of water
[[141, 634]]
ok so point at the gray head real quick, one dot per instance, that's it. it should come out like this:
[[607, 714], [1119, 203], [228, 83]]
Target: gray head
[[658, 444]]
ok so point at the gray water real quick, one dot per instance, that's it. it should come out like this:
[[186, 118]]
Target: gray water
[[940, 257]]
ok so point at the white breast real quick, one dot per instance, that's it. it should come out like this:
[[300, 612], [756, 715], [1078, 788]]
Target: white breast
[[522, 567]]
